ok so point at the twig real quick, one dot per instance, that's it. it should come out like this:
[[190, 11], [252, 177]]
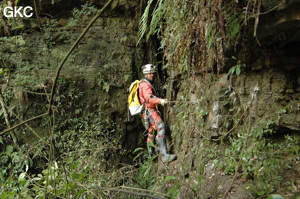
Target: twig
[[235, 174], [206, 138], [31, 92], [24, 122], [256, 19], [227, 132], [12, 134], [37, 14], [186, 102], [268, 11], [134, 188], [130, 192], [219, 17], [87, 189], [28, 126], [236, 122]]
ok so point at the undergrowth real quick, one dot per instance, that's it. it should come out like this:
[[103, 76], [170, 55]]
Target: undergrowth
[[248, 154], [76, 152]]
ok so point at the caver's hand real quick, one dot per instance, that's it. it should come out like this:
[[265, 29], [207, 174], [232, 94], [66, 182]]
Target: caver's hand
[[163, 102]]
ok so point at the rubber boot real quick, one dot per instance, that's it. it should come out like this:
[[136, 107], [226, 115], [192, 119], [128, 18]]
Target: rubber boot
[[161, 141]]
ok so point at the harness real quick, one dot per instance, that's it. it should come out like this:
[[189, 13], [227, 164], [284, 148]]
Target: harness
[[149, 109]]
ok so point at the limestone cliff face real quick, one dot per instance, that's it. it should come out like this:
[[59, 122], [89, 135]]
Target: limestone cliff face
[[269, 81], [264, 97]]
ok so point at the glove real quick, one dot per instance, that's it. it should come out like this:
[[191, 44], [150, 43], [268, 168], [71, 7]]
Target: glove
[[163, 102]]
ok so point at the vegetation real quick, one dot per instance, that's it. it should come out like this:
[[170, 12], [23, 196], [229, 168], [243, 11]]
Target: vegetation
[[253, 155], [63, 141], [197, 46], [194, 37], [53, 151]]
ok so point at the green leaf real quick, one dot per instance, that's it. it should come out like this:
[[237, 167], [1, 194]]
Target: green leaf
[[152, 158], [16, 159], [141, 152], [106, 86], [170, 178], [9, 149], [235, 29], [157, 15], [260, 193], [173, 191], [238, 70], [137, 149], [231, 70], [275, 196], [78, 193], [150, 144], [126, 77]]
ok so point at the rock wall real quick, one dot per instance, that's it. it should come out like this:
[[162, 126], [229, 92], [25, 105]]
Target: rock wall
[[272, 95], [255, 99], [269, 84]]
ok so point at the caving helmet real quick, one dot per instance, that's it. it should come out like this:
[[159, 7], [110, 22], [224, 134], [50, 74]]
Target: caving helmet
[[149, 68]]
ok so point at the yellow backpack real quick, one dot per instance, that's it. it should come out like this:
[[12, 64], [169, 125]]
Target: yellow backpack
[[134, 105]]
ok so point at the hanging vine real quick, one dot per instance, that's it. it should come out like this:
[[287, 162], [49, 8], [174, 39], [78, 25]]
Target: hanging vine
[[194, 35]]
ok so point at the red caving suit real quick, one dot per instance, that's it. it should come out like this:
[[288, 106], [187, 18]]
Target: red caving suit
[[147, 93]]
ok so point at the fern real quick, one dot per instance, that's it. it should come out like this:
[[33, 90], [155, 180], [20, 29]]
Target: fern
[[157, 15], [144, 21]]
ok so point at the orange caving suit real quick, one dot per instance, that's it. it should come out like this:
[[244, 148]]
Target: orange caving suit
[[148, 96]]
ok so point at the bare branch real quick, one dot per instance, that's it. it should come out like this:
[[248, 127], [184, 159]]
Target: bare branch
[[12, 134], [24, 122], [131, 192]]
